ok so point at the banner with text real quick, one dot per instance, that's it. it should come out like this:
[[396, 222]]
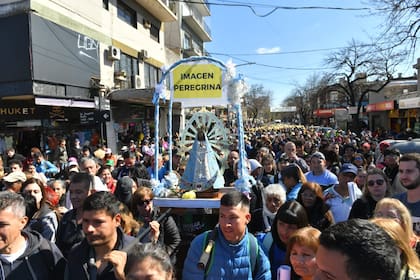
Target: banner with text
[[198, 85]]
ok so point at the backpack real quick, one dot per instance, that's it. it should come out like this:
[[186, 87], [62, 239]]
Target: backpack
[[252, 247]]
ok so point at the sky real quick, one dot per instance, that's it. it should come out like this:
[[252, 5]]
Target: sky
[[295, 43]]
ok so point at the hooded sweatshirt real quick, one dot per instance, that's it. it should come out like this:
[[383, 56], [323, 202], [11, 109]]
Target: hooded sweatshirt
[[40, 260]]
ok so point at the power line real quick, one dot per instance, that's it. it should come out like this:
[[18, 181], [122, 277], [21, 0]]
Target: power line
[[274, 8]]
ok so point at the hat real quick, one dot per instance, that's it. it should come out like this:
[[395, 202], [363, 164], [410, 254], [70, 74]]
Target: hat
[[318, 155], [15, 176], [348, 168], [384, 145], [123, 191], [108, 151], [72, 163], [366, 145], [254, 164], [283, 157]]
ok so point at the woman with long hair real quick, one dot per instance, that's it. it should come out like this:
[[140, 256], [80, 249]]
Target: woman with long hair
[[293, 178], [45, 219], [312, 198], [290, 217], [392, 208], [376, 188], [410, 263], [301, 252]]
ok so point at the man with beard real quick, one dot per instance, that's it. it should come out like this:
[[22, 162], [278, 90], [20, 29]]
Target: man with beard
[[409, 173], [96, 256]]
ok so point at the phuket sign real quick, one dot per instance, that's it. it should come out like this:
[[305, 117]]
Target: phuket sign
[[198, 85]]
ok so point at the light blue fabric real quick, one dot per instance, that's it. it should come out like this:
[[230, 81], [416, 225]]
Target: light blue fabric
[[293, 193], [230, 261], [326, 179]]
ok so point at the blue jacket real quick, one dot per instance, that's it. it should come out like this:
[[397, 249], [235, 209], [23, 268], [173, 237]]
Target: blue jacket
[[230, 261]]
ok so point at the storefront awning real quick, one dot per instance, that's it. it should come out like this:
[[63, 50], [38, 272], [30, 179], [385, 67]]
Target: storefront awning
[[139, 96], [381, 106], [324, 113], [64, 102]]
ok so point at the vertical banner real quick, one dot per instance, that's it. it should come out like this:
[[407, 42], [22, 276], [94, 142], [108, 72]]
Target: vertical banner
[[198, 84]]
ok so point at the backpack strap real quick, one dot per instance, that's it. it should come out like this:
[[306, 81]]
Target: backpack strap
[[206, 259], [253, 252], [268, 241]]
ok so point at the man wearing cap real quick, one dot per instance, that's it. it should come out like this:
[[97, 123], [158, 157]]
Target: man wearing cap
[[13, 182], [380, 158], [340, 197], [319, 173]]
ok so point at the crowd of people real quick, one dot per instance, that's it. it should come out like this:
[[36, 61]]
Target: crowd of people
[[315, 198]]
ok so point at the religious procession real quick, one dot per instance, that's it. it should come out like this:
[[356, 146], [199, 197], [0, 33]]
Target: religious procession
[[269, 201]]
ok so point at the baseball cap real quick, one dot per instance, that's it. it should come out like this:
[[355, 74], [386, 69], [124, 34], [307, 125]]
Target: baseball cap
[[348, 168], [108, 151], [15, 176]]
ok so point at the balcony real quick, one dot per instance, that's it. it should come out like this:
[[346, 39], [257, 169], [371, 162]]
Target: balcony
[[204, 9], [198, 26], [192, 52], [158, 9]]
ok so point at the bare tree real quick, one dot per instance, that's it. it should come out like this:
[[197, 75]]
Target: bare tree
[[360, 69], [257, 102], [305, 96], [402, 25]]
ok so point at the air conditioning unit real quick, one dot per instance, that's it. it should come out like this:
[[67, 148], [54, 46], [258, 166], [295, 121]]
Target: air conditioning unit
[[143, 55], [137, 81], [120, 75], [114, 53]]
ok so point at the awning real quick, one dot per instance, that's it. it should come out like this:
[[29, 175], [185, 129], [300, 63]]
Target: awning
[[64, 102], [131, 95], [324, 113], [381, 106]]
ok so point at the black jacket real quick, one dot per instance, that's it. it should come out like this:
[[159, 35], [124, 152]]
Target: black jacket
[[78, 267], [41, 260], [69, 232], [169, 236]]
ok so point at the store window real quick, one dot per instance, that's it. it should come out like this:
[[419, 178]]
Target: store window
[[126, 14], [152, 75], [130, 67]]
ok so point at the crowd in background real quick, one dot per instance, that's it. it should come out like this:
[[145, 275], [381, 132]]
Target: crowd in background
[[305, 181]]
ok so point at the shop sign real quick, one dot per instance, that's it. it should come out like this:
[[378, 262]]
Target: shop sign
[[409, 103], [87, 118], [198, 84], [324, 113], [17, 111], [381, 106]]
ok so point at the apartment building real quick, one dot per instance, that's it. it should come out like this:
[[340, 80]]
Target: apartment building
[[88, 68]]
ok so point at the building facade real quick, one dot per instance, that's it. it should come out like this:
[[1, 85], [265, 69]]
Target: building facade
[[86, 68]]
